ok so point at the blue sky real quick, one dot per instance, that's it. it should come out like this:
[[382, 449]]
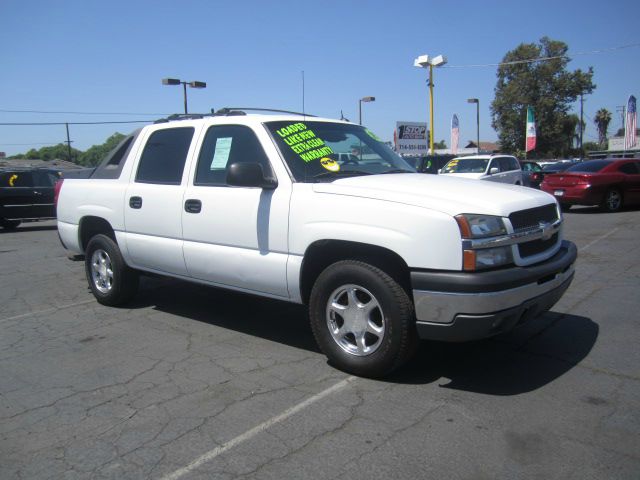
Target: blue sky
[[97, 56]]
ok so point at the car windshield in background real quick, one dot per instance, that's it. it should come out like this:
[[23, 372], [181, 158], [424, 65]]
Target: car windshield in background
[[324, 151], [466, 165], [591, 166]]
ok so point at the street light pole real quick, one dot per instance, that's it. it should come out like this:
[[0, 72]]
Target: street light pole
[[477, 102], [176, 81], [424, 61], [363, 99]]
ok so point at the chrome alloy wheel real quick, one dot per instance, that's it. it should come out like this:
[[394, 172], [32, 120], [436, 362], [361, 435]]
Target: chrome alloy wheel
[[102, 271], [355, 320]]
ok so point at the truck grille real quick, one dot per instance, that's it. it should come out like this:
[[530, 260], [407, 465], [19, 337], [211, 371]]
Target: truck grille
[[536, 246], [530, 219]]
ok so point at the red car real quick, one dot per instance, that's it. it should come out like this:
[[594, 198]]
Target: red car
[[609, 183]]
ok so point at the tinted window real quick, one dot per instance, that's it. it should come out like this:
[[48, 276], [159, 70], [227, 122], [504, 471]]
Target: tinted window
[[629, 168], [505, 164], [224, 145], [590, 166], [16, 179], [44, 178], [164, 156]]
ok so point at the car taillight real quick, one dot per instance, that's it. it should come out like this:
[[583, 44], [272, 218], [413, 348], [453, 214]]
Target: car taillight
[[56, 191], [536, 177]]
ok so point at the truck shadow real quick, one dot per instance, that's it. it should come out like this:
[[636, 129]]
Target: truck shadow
[[518, 362], [510, 364]]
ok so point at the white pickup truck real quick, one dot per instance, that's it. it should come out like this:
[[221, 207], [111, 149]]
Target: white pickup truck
[[266, 204]]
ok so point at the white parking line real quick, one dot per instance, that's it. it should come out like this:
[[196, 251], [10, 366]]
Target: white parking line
[[47, 310], [207, 457], [601, 237]]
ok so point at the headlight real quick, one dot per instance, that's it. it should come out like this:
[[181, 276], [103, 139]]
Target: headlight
[[480, 226], [474, 226]]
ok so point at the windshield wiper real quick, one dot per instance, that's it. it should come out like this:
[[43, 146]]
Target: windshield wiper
[[340, 173]]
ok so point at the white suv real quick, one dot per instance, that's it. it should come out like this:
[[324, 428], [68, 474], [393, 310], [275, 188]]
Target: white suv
[[494, 168]]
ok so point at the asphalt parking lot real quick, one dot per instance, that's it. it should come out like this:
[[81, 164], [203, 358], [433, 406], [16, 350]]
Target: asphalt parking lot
[[196, 383]]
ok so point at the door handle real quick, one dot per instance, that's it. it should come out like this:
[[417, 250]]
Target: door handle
[[192, 206], [135, 202]]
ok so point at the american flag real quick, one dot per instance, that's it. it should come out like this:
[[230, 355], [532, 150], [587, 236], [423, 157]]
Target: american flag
[[455, 134], [630, 124]]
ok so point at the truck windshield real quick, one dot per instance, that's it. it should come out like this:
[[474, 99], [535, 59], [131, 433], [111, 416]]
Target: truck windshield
[[324, 151], [466, 165]]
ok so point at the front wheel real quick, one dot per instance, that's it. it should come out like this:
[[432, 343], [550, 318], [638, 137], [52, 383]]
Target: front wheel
[[111, 281], [612, 201], [362, 319]]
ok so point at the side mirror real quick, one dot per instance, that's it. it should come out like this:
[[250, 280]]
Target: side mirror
[[494, 170], [247, 174]]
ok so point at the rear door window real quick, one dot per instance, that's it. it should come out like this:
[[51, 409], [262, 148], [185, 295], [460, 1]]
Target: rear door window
[[164, 156], [629, 168], [16, 179]]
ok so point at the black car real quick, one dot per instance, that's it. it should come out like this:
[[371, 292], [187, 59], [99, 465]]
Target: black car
[[532, 174], [26, 195]]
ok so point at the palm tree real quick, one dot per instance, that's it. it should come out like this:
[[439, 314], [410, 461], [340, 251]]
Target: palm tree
[[602, 120]]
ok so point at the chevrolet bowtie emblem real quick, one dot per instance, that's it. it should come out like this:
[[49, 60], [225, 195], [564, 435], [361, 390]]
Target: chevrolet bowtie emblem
[[547, 230]]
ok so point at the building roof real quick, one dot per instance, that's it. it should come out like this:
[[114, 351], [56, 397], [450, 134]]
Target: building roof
[[54, 164], [489, 147]]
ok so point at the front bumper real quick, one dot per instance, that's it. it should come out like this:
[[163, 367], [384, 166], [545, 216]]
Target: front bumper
[[459, 306]]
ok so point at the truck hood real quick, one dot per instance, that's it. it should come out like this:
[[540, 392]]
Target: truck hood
[[445, 194]]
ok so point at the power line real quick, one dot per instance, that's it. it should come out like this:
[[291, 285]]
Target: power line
[[81, 113], [544, 59], [76, 123], [28, 144]]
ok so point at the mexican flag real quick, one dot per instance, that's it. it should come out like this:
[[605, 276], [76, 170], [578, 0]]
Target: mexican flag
[[531, 130]]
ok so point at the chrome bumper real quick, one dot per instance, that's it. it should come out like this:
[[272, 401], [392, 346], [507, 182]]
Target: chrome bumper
[[467, 306]]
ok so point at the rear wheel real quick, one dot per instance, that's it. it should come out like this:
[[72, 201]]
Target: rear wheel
[[565, 207], [612, 201], [9, 224], [111, 281], [362, 319]]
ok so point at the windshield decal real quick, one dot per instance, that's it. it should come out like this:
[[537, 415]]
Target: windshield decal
[[330, 164], [304, 142]]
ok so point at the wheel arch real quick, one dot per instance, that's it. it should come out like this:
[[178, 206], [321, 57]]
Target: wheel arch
[[91, 226], [322, 253]]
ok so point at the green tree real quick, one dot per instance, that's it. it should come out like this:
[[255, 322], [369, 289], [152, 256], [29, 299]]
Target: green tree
[[440, 145], [547, 86], [602, 120], [94, 155]]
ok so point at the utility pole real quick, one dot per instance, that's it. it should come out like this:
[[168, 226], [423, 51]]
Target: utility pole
[[68, 143]]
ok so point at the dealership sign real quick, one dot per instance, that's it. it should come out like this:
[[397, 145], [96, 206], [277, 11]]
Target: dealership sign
[[411, 138]]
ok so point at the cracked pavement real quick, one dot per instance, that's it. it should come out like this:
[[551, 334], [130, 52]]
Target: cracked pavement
[[91, 392]]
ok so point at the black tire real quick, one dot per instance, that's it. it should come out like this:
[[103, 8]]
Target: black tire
[[111, 281], [391, 313], [612, 200], [9, 224]]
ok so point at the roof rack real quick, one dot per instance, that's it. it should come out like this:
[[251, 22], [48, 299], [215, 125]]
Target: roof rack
[[181, 116], [226, 111], [241, 111]]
